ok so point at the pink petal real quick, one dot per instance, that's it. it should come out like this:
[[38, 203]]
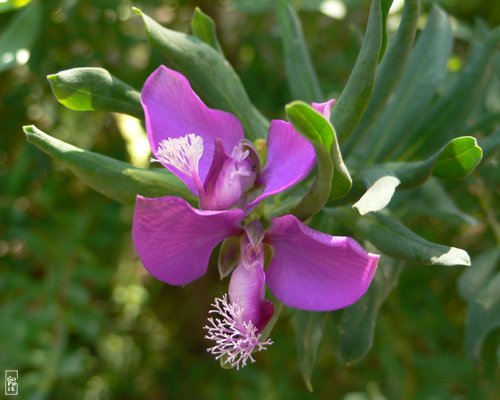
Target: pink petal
[[290, 158], [324, 108], [174, 240], [173, 110], [314, 271]]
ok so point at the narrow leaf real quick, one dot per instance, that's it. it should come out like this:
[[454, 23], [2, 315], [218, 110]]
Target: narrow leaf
[[357, 325], [211, 76], [115, 179], [483, 317], [204, 29], [89, 89], [385, 7], [389, 71], [394, 239], [356, 94], [308, 328], [301, 76], [449, 114], [426, 69], [19, 35]]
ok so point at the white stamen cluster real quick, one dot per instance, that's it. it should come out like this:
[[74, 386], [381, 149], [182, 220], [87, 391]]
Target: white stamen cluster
[[183, 153], [235, 339]]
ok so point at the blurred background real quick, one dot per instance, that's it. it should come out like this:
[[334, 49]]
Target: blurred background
[[79, 316]]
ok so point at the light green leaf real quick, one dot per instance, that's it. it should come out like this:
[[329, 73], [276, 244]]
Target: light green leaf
[[308, 328], [204, 29], [456, 160], [19, 35], [356, 94], [301, 76], [389, 71], [8, 5], [357, 325], [394, 239], [115, 179], [210, 75], [314, 127], [426, 69], [89, 89]]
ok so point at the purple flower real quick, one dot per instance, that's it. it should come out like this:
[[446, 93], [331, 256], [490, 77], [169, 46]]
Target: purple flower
[[205, 148]]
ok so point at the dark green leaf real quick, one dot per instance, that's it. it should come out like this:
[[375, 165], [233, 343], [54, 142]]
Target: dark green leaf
[[385, 7], [210, 75], [483, 316], [89, 89], [301, 76], [357, 325], [308, 332], [204, 29], [449, 114], [352, 102], [19, 35], [425, 71], [477, 277], [394, 239], [389, 71], [115, 179]]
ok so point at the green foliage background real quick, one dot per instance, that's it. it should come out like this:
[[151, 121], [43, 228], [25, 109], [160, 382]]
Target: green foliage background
[[80, 318]]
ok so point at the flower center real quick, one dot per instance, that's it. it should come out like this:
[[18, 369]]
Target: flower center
[[183, 153]]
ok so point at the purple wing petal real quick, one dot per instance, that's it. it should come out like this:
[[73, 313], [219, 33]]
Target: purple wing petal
[[174, 241], [314, 271], [173, 110], [290, 158]]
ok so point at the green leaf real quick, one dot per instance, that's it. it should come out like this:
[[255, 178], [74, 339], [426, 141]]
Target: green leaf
[[204, 29], [19, 35], [89, 89], [301, 76], [477, 277], [458, 159], [308, 328], [8, 5], [115, 179], [394, 239], [356, 94], [210, 75], [449, 114], [385, 7], [314, 127], [426, 69], [483, 315], [389, 71], [454, 161], [357, 325]]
